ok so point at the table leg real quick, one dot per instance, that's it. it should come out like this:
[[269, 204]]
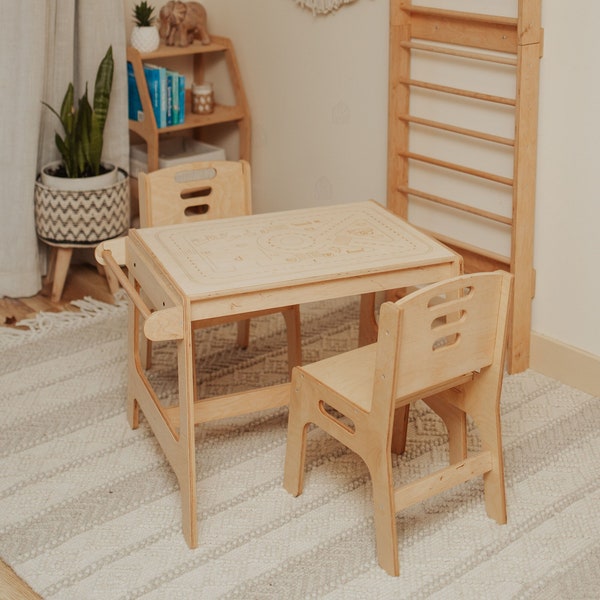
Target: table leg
[[133, 342], [367, 328], [186, 471]]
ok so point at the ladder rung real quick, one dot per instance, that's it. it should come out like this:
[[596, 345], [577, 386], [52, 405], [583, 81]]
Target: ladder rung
[[460, 130], [456, 167], [459, 92], [502, 60], [457, 205]]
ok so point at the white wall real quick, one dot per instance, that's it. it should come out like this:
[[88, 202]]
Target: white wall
[[317, 89], [567, 242]]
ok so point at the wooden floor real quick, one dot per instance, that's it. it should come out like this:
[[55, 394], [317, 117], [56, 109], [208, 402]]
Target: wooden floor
[[82, 280], [13, 588]]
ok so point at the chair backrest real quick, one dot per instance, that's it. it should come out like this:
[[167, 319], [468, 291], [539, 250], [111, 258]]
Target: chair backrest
[[443, 331], [195, 191]]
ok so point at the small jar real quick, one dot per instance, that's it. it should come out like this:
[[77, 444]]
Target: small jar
[[203, 99]]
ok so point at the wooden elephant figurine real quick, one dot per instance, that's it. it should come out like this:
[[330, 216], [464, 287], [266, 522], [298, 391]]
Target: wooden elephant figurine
[[182, 22]]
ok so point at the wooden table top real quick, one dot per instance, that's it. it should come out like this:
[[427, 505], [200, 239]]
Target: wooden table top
[[271, 250]]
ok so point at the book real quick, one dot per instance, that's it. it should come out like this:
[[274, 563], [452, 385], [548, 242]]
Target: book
[[158, 76], [167, 95], [176, 80], [152, 73], [169, 98], [181, 98], [162, 74], [134, 103]]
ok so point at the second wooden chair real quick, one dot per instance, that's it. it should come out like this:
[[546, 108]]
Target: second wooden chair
[[444, 344]]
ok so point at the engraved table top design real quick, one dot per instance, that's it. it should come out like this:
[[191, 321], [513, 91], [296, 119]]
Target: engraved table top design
[[271, 250]]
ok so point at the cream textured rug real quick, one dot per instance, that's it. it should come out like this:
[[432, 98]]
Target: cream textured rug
[[90, 510]]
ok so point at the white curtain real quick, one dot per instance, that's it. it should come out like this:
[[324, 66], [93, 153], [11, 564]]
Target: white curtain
[[44, 46]]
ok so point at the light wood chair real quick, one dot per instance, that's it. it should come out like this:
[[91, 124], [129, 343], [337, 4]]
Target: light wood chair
[[445, 344], [200, 191]]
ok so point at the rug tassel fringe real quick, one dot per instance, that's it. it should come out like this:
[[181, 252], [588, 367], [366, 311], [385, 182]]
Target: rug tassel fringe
[[45, 321]]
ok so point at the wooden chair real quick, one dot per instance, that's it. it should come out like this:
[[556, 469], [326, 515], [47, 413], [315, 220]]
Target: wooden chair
[[201, 191], [445, 344]]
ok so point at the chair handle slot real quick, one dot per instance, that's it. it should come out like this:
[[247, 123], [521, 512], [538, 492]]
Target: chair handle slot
[[332, 414]]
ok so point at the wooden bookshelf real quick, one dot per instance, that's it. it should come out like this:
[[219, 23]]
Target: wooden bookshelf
[[237, 113]]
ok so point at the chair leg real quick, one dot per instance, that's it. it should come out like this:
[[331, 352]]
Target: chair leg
[[145, 352], [455, 421], [243, 333], [488, 425], [493, 481], [291, 316], [295, 453], [400, 429], [385, 514]]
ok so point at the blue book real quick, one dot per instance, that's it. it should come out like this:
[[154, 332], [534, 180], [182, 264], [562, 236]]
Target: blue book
[[153, 80], [169, 98], [175, 96], [133, 96], [181, 98], [162, 72]]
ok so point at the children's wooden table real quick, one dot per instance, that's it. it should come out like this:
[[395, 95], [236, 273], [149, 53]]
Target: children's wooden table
[[231, 266]]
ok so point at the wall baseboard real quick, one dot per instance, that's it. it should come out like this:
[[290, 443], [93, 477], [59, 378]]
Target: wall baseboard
[[569, 365]]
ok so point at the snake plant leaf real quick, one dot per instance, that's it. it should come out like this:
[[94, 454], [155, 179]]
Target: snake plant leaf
[[98, 116], [84, 154], [65, 153], [81, 147], [102, 88], [67, 110]]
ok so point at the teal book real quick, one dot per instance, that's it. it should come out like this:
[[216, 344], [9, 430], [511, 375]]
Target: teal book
[[162, 73], [181, 98], [134, 103], [169, 99], [175, 78], [152, 73]]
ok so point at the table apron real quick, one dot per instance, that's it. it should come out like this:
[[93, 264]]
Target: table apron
[[255, 301]]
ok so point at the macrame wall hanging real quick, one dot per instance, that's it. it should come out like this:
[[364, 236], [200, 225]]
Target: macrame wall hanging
[[322, 7]]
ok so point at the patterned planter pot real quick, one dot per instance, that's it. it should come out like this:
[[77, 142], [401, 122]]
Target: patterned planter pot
[[89, 216]]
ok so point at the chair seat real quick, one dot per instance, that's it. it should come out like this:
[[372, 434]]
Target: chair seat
[[350, 374]]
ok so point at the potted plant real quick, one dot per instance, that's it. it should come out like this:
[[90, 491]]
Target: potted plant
[[144, 36], [83, 126], [80, 199]]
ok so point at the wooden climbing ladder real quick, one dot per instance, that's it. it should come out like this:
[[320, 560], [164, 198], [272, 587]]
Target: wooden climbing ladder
[[504, 48]]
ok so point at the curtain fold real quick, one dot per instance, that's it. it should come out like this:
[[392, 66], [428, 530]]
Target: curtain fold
[[44, 46]]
